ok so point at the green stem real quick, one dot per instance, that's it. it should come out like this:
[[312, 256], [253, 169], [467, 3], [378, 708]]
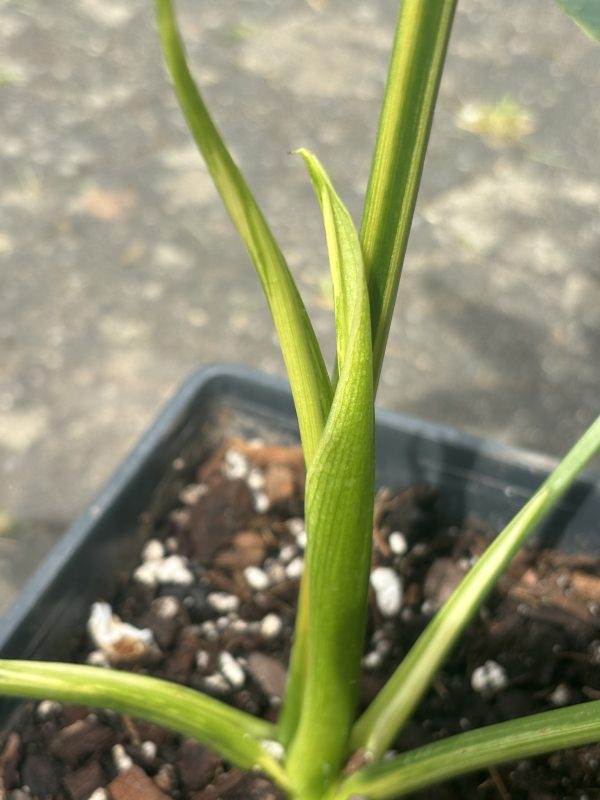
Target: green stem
[[390, 710], [339, 523], [486, 747], [413, 80], [233, 734]]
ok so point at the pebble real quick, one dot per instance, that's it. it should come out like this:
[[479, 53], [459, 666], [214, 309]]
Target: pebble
[[121, 760], [223, 602], [232, 671], [387, 586], [442, 578], [269, 673], [398, 544], [117, 639], [295, 568], [489, 678], [235, 465], [270, 626], [257, 578]]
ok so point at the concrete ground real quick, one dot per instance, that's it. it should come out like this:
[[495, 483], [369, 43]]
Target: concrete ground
[[120, 273]]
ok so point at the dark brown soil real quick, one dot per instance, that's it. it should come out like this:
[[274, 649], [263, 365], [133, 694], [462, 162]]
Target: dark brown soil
[[237, 537]]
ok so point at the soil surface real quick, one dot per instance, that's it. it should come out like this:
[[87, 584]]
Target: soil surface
[[212, 606]]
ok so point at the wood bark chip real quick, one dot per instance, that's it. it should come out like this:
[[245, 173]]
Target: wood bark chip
[[134, 784]]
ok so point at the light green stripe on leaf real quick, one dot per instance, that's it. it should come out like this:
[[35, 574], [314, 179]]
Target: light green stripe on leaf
[[345, 257], [409, 100], [339, 518], [233, 734], [309, 380], [496, 744], [586, 13]]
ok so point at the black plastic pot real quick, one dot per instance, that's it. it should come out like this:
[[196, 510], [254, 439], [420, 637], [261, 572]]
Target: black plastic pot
[[473, 476]]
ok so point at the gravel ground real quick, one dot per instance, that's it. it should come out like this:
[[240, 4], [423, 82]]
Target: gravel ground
[[120, 273]]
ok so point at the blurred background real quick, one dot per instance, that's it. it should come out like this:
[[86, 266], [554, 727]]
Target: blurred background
[[120, 273]]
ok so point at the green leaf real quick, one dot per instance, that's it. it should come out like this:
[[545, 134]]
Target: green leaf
[[233, 734], [309, 380], [496, 744], [409, 101], [339, 518], [586, 13], [392, 707]]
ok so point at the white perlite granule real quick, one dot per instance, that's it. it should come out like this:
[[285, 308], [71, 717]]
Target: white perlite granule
[[296, 527], [191, 493], [261, 502], [398, 544], [235, 465], [231, 670], [173, 569], [149, 749], [256, 578], [223, 602], [202, 660], [153, 551], [166, 607], [256, 480], [489, 678], [372, 660], [273, 748], [115, 638], [47, 707], [387, 586], [217, 683], [121, 760], [561, 696], [270, 626], [295, 568], [99, 794]]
